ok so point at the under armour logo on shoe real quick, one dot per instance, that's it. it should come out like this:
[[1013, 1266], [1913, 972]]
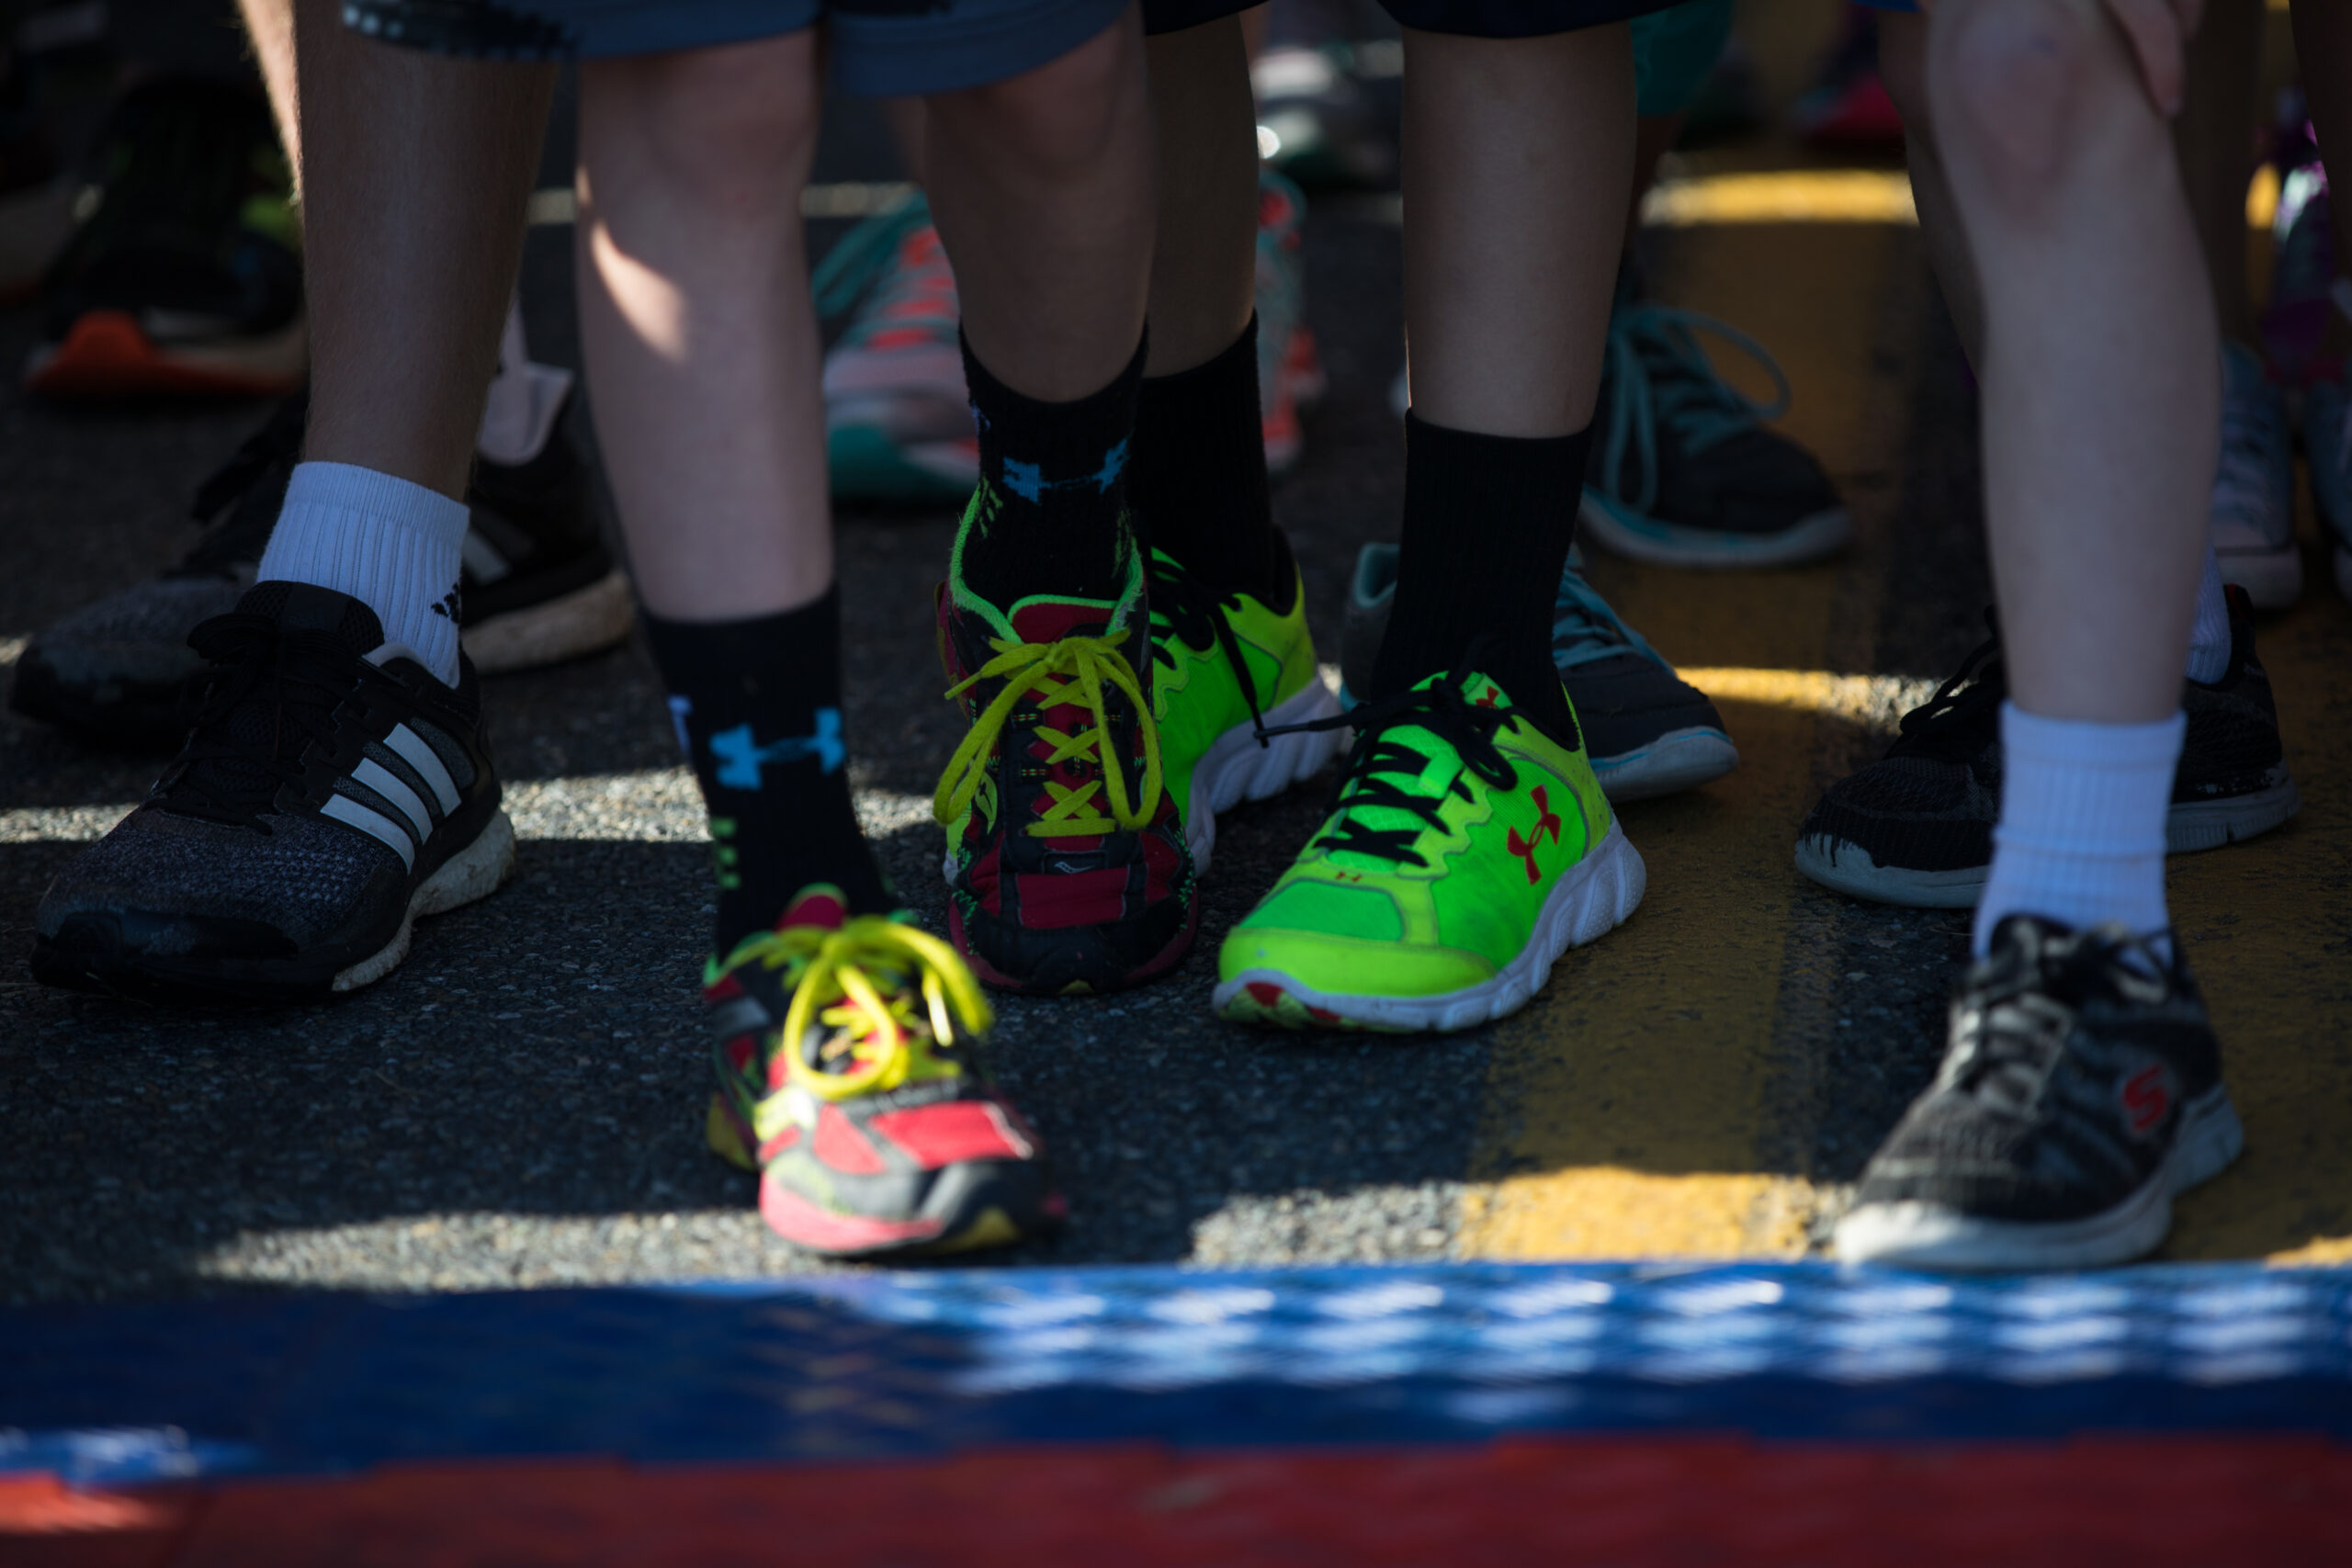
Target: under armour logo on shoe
[[740, 757], [1546, 820], [1028, 481]]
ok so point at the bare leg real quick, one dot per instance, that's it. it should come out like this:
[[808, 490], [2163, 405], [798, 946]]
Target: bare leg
[[1510, 144], [1032, 185], [269, 24], [1201, 273], [695, 316], [2100, 366], [411, 241]]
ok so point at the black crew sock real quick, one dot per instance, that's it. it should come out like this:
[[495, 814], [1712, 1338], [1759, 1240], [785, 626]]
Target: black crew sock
[[758, 709], [1198, 484], [1057, 472], [1488, 520]]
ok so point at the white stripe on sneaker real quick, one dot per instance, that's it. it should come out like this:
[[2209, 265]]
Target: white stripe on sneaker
[[427, 763], [373, 823], [386, 782]]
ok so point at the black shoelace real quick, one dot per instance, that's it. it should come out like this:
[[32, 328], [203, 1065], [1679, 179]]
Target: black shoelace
[[1195, 617], [2022, 1005], [1955, 723], [271, 695], [235, 532], [1385, 770]]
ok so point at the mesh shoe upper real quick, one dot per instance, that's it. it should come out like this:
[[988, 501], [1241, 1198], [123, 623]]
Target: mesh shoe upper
[[319, 786], [1930, 803], [1067, 856], [2071, 1059]]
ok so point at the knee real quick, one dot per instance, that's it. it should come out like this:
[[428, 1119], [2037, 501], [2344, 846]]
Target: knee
[[733, 128], [2030, 90], [1063, 113]]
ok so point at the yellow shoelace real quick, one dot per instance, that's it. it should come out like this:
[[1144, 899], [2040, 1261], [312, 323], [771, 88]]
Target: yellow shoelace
[[886, 995], [1069, 672]]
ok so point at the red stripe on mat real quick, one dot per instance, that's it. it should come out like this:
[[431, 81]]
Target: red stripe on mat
[[2147, 1502]]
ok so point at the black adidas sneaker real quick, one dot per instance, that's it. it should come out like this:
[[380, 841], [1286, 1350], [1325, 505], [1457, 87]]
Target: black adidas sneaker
[[1915, 827], [538, 586], [331, 792], [2082, 1088]]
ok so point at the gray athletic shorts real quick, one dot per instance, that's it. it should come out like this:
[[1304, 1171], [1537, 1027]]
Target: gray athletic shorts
[[880, 47]]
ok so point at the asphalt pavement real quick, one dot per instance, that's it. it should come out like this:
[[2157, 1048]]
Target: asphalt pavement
[[522, 1102]]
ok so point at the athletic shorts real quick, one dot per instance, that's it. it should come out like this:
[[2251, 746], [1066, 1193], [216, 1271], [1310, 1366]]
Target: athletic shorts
[[884, 48], [1516, 19]]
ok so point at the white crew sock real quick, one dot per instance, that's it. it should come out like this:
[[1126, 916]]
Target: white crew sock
[[523, 400], [2209, 634], [2081, 839], [392, 545]]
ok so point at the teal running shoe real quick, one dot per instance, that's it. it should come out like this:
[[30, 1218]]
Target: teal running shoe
[[1683, 471], [897, 420], [898, 417], [1647, 732]]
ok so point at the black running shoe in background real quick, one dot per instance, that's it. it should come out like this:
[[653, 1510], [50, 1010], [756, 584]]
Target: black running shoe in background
[[1685, 471], [1915, 827], [2081, 1089], [183, 274], [330, 792], [538, 586]]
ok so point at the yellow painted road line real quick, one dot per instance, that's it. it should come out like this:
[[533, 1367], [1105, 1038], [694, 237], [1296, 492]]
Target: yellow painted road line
[[1626, 1109], [1783, 196], [1834, 197]]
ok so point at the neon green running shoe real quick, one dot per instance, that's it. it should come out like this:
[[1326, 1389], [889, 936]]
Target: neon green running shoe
[[1220, 667], [1465, 853]]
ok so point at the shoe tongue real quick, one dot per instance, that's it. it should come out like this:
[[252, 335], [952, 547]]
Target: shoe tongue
[[819, 904], [1050, 620], [1479, 691], [305, 607]]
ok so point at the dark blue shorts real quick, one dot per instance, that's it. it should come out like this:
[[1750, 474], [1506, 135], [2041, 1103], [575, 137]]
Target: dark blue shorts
[[885, 48], [1516, 19]]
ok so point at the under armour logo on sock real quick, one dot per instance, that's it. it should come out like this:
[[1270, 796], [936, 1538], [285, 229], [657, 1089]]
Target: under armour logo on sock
[[740, 757], [1028, 481], [447, 606]]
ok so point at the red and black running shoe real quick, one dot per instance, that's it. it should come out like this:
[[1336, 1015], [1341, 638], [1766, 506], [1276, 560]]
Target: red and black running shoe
[[1066, 865], [847, 1078]]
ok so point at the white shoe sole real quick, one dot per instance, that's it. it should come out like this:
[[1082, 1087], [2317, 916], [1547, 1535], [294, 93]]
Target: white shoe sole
[[1823, 534], [1676, 761], [586, 620], [475, 871], [1591, 899], [1927, 1235], [2188, 827], [1236, 768]]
